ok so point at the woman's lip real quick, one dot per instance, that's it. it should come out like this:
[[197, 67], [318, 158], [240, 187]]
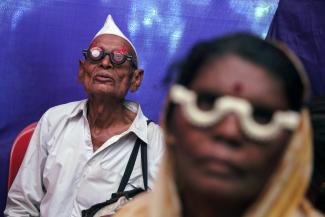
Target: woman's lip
[[221, 168], [218, 168]]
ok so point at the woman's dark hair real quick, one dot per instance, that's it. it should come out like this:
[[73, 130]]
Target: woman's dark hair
[[251, 48]]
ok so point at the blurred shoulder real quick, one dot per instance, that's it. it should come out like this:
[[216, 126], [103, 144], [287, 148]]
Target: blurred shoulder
[[138, 207]]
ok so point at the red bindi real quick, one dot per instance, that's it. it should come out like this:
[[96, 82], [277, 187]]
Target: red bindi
[[238, 88]]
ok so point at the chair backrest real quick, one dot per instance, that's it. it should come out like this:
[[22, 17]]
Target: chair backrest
[[18, 151]]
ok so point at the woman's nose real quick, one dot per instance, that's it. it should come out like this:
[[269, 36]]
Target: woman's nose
[[229, 127]]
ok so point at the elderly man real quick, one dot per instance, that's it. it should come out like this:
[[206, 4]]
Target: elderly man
[[79, 151]]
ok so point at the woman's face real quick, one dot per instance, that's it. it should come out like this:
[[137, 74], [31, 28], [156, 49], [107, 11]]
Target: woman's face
[[220, 160]]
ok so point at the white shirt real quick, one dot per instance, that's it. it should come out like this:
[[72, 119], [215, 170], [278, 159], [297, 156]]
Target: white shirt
[[61, 175]]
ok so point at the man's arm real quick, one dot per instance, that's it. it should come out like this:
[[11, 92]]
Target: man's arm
[[26, 192]]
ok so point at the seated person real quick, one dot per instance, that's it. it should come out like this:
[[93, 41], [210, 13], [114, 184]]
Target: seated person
[[79, 150], [238, 135]]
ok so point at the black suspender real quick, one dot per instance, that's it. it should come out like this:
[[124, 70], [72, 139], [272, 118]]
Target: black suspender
[[125, 178], [131, 162]]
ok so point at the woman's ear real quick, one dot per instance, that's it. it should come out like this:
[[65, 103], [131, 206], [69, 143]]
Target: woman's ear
[[136, 79], [170, 139]]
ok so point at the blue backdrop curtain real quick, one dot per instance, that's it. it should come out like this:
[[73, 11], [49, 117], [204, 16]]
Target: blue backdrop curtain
[[301, 25], [41, 43]]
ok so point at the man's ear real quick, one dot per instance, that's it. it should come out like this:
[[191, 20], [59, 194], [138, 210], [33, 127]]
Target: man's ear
[[136, 79], [81, 71]]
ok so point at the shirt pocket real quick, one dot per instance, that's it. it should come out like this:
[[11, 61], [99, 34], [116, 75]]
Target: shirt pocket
[[115, 174], [136, 174], [136, 179]]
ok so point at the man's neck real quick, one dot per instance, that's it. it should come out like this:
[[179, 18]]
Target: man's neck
[[107, 117], [107, 112]]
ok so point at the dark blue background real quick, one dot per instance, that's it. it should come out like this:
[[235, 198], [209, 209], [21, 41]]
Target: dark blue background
[[41, 43], [301, 25]]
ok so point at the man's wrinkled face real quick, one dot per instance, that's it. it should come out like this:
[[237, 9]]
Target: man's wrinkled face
[[220, 160], [105, 78]]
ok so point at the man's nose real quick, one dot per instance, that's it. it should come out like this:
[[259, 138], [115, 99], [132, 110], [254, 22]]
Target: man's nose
[[106, 62]]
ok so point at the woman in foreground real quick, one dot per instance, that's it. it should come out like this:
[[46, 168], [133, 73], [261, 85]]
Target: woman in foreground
[[238, 135]]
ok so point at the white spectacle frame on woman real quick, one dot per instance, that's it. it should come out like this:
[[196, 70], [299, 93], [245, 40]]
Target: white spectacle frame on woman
[[227, 104]]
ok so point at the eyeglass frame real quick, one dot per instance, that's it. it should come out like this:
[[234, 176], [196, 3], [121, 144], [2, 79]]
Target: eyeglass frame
[[85, 52], [224, 105]]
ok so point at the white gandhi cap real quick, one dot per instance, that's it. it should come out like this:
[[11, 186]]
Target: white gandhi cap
[[111, 28]]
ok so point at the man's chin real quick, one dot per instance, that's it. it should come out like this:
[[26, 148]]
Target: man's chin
[[101, 90]]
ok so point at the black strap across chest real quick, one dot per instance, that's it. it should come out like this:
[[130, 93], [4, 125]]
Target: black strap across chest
[[130, 165], [125, 178]]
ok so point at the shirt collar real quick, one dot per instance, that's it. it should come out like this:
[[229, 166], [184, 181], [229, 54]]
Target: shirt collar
[[81, 107], [139, 125]]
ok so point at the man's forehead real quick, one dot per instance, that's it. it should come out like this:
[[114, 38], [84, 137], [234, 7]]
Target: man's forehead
[[109, 40]]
